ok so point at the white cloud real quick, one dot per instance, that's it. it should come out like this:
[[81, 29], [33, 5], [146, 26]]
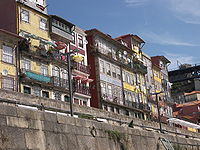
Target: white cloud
[[164, 39], [178, 59], [135, 2], [187, 11]]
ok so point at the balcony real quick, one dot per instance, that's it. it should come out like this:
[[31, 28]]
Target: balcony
[[137, 105], [36, 76], [82, 89], [60, 29], [81, 67], [140, 67], [59, 82]]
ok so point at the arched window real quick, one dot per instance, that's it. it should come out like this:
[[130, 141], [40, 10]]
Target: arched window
[[56, 71], [64, 74]]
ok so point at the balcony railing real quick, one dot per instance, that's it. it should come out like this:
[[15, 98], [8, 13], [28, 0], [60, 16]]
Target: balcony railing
[[137, 105], [81, 67], [59, 82], [82, 89]]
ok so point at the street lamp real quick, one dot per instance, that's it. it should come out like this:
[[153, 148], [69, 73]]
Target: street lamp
[[158, 108], [70, 78]]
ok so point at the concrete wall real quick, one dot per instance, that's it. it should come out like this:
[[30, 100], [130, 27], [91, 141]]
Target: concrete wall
[[26, 129]]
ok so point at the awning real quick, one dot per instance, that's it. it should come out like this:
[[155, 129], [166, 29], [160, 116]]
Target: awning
[[183, 123], [90, 80], [77, 77]]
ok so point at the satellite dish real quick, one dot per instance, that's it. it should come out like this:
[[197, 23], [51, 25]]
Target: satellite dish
[[5, 72]]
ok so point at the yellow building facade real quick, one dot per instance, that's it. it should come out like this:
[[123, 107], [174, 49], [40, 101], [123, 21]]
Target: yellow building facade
[[33, 22], [33, 25], [134, 88], [8, 60]]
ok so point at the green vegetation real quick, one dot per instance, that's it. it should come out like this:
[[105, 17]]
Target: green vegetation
[[86, 116]]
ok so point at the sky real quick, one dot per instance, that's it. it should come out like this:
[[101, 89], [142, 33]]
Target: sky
[[169, 27]]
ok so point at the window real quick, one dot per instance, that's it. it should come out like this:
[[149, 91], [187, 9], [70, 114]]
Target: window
[[127, 77], [103, 89], [101, 65], [66, 98], [57, 96], [80, 41], [133, 79], [44, 70], [105, 107], [110, 91], [118, 73], [108, 72], [112, 109], [129, 96], [8, 83], [45, 94], [36, 91], [138, 78], [114, 71], [7, 54], [56, 72], [26, 65], [76, 101], [43, 24], [127, 113], [24, 15], [65, 74], [84, 103], [73, 38], [123, 76], [27, 90]]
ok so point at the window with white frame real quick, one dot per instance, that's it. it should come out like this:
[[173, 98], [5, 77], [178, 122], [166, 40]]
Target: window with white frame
[[137, 97], [26, 64], [43, 24], [45, 94], [108, 71], [110, 91], [25, 15], [127, 77], [114, 71], [133, 78], [80, 41], [56, 72], [126, 95], [118, 73], [65, 74], [44, 70], [7, 54], [101, 66], [138, 78], [129, 96], [73, 38], [133, 96], [8, 83], [103, 89]]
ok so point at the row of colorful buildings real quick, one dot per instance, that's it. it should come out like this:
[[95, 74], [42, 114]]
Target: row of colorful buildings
[[112, 74]]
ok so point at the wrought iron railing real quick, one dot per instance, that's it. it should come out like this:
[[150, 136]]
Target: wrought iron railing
[[60, 82], [82, 89], [81, 67]]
